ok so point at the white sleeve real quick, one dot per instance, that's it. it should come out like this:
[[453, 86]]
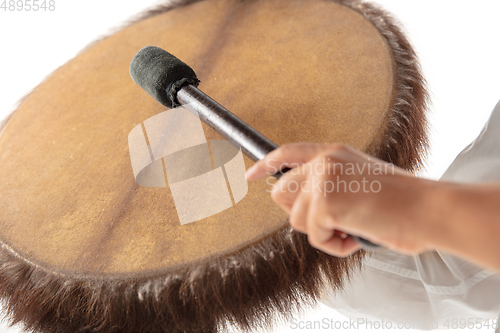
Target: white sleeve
[[433, 288]]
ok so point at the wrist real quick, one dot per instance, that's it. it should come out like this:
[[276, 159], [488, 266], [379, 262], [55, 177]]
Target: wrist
[[436, 200], [440, 214]]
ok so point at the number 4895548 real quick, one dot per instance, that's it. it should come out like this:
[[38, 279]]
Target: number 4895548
[[28, 5]]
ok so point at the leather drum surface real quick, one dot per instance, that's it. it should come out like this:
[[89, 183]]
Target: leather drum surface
[[311, 71]]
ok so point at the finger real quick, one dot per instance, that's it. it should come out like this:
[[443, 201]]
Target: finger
[[289, 187], [290, 155], [299, 211], [322, 228], [330, 241], [339, 247]]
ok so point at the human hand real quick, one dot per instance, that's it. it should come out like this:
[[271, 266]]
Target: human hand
[[333, 189]]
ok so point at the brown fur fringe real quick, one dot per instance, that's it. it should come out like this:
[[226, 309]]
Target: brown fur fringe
[[249, 289]]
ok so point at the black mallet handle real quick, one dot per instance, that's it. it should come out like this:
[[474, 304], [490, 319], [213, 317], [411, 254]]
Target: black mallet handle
[[252, 143]]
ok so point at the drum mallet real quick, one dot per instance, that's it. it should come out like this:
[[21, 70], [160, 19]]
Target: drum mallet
[[173, 83]]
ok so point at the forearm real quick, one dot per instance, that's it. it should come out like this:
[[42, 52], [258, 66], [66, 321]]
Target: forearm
[[467, 222]]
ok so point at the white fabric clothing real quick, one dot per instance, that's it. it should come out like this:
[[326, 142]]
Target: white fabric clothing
[[434, 287]]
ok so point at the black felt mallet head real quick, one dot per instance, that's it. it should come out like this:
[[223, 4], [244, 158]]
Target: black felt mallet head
[[161, 74]]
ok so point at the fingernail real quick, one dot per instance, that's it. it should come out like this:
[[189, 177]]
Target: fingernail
[[250, 172]]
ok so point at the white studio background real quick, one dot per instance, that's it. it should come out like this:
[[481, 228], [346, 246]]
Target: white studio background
[[457, 42]]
